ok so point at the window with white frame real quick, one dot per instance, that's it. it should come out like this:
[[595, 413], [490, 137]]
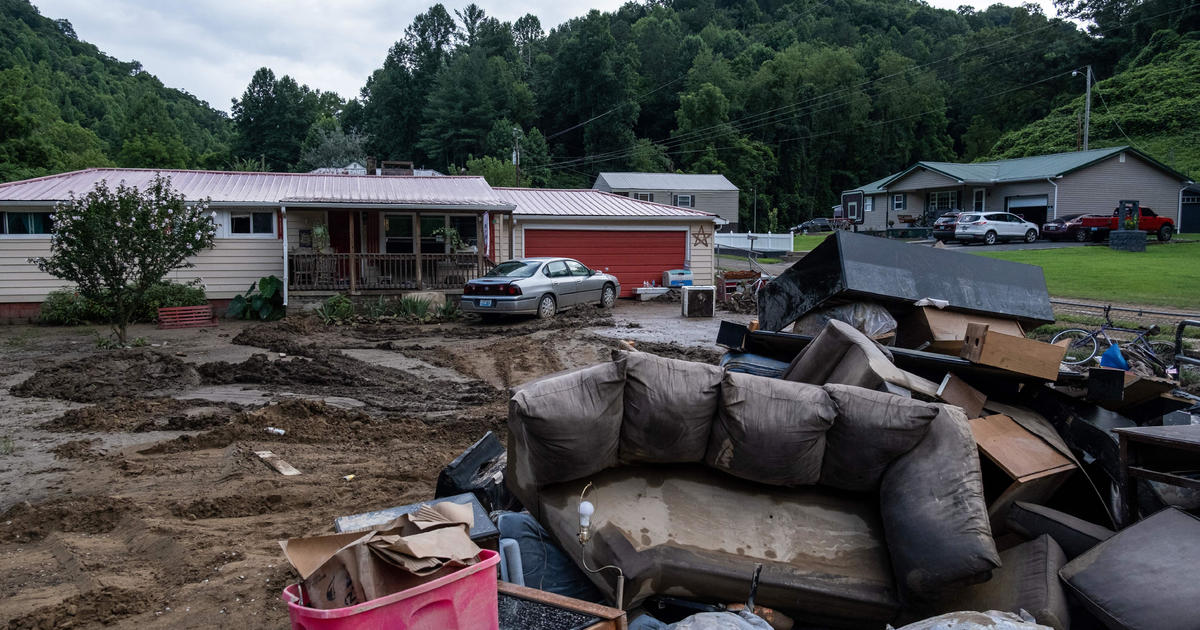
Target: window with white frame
[[898, 202], [943, 200], [251, 223], [25, 223], [685, 201], [868, 203], [979, 200], [643, 196], [1191, 199]]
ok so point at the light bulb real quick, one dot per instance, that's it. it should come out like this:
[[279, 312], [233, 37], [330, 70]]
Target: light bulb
[[586, 510]]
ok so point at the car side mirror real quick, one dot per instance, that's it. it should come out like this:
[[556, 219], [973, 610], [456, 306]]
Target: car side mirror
[[591, 272]]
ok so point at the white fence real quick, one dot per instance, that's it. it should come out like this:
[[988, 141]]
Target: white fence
[[759, 242]]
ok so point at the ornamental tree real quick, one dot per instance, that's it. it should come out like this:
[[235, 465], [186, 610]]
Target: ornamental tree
[[116, 244]]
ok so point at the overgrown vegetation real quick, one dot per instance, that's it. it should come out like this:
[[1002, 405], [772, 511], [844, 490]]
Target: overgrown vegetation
[[115, 245], [66, 307], [263, 301]]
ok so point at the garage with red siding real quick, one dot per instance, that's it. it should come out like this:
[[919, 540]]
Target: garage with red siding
[[633, 256]]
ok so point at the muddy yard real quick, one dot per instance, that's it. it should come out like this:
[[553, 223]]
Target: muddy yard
[[130, 493]]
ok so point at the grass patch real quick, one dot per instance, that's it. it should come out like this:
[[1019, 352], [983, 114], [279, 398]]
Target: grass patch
[[1165, 275], [762, 260], [802, 243]]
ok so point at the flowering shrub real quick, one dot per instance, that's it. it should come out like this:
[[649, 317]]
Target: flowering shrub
[[116, 244]]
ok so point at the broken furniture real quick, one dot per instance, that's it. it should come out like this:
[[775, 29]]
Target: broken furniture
[[480, 471], [483, 532], [935, 330], [523, 608], [697, 475], [1156, 454], [853, 267], [841, 354], [1012, 353], [1035, 468], [1144, 577], [698, 301], [1026, 580], [186, 316], [1073, 535]]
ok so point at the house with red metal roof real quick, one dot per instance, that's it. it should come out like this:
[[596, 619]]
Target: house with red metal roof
[[367, 234]]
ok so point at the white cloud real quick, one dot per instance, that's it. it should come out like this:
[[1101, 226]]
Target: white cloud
[[211, 48]]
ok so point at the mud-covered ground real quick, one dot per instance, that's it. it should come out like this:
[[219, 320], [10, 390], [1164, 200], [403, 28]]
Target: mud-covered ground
[[130, 494]]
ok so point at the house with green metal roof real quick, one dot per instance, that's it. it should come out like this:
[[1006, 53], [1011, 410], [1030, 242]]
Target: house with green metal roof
[[1038, 188]]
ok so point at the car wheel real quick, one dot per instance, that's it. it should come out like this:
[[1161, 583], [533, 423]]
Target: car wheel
[[1081, 236], [989, 238], [1031, 236], [1165, 232], [547, 307], [608, 296]]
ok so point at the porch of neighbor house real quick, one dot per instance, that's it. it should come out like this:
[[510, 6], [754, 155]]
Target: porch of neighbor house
[[384, 251]]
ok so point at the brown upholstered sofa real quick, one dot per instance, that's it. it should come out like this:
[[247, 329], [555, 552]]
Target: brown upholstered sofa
[[858, 503]]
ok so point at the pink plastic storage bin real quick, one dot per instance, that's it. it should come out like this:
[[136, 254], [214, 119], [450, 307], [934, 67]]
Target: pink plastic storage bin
[[463, 600]]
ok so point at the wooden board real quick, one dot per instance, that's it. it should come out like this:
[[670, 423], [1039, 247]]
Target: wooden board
[[279, 465], [956, 391], [611, 618], [1008, 352], [1021, 454]]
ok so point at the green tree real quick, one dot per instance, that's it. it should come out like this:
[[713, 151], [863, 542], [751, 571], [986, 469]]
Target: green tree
[[272, 119], [115, 244], [327, 145], [497, 172]]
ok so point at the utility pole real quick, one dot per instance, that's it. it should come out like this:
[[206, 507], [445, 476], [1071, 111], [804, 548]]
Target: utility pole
[[754, 228], [1087, 107], [516, 156]]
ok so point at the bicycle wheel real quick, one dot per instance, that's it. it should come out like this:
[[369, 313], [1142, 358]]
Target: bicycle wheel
[[1082, 348]]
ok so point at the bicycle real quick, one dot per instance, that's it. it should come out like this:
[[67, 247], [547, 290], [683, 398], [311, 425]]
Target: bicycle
[[1085, 344]]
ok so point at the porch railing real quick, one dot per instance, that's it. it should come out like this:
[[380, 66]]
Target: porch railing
[[374, 272]]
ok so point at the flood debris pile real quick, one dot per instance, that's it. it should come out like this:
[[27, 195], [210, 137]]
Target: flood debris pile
[[904, 455]]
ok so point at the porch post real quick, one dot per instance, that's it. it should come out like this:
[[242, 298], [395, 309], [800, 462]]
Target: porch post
[[479, 243], [283, 218], [416, 230], [353, 255], [512, 229]]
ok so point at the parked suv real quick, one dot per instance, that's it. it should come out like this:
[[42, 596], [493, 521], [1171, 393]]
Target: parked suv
[[990, 227], [943, 227]]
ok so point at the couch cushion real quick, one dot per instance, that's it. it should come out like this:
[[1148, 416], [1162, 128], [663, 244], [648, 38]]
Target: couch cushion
[[1074, 535], [568, 425], [872, 429], [1026, 580], [769, 430], [690, 531], [842, 355], [669, 408], [1143, 577]]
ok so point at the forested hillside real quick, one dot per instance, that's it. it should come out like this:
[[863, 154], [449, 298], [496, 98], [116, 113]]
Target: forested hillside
[[66, 105], [793, 100], [1154, 106]]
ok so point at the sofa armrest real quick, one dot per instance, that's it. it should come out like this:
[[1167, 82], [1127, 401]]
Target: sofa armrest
[[934, 516]]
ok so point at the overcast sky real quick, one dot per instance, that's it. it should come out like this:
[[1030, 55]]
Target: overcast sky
[[211, 48]]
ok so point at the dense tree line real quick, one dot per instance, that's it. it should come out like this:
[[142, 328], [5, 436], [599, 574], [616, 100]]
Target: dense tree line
[[793, 100], [65, 105]]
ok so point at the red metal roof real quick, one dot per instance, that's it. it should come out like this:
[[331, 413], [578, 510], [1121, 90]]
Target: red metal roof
[[592, 203], [271, 188]]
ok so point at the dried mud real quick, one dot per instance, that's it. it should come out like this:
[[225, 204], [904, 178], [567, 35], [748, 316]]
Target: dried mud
[[90, 515], [114, 374], [143, 414]]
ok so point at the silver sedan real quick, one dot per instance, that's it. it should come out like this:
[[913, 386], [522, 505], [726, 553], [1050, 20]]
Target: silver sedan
[[539, 286]]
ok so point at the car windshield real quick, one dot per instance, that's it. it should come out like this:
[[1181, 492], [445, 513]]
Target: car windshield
[[514, 269], [968, 218]]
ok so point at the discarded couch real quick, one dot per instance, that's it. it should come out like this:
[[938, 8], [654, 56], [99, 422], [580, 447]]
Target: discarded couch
[[857, 502]]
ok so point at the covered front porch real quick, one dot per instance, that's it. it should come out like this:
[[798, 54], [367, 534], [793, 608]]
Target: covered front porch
[[359, 251]]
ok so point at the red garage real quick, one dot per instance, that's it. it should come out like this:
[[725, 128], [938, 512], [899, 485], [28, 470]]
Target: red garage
[[634, 240]]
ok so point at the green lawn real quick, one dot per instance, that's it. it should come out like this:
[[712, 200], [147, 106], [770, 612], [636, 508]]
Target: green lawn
[[802, 243], [1166, 275]]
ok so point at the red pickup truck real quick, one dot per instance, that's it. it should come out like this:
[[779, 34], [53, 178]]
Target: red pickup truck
[[1148, 221]]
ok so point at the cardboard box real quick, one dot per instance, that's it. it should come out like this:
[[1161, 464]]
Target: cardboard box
[[945, 331], [1015, 354]]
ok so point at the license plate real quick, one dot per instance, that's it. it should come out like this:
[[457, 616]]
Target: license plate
[[485, 303]]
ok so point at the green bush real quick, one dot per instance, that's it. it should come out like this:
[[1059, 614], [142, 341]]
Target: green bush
[[167, 295], [263, 300], [65, 307], [336, 309], [415, 307]]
